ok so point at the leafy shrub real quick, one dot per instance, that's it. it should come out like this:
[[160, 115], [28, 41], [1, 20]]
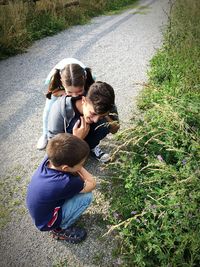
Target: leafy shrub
[[51, 25]]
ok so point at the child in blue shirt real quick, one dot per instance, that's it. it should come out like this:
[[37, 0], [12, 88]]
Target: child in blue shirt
[[61, 188]]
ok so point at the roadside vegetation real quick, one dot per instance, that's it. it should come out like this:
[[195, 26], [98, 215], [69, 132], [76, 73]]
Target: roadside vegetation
[[155, 191], [22, 22]]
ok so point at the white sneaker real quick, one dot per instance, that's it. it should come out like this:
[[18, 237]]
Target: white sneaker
[[42, 142], [98, 154]]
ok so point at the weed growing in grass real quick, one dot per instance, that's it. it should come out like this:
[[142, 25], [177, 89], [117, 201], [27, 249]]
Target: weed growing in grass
[[98, 258], [4, 216], [51, 25], [155, 175], [63, 263]]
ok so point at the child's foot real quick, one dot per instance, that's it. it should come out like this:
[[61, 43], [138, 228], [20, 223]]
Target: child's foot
[[98, 154], [72, 234], [42, 142]]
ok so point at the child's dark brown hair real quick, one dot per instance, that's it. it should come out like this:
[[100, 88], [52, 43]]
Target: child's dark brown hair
[[102, 97], [70, 75], [67, 149]]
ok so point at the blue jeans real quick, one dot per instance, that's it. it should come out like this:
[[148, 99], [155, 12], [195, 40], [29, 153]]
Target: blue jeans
[[48, 104], [74, 207]]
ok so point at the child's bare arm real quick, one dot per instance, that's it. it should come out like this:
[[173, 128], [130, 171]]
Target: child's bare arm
[[58, 92], [89, 180]]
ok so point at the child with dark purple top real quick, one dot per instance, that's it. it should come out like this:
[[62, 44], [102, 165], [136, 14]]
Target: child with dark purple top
[[61, 188]]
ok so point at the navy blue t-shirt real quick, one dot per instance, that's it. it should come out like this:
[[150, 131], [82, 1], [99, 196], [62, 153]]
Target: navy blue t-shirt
[[46, 194]]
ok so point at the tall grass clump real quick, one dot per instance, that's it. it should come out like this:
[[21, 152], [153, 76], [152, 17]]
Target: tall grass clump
[[13, 31], [22, 22], [155, 201]]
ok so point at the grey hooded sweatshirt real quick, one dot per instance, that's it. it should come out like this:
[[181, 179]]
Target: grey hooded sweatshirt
[[60, 116]]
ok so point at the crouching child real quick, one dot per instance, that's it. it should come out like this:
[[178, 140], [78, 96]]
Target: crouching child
[[61, 188]]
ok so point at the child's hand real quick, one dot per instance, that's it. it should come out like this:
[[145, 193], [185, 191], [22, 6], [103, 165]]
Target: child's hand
[[81, 128]]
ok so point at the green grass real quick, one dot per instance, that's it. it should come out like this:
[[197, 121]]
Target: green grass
[[12, 194], [21, 23], [155, 176]]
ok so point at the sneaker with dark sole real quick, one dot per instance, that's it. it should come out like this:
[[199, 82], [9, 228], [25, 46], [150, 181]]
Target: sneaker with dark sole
[[72, 234], [98, 154]]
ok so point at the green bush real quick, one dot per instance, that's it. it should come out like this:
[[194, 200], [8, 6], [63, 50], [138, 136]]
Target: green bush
[[155, 176], [50, 25]]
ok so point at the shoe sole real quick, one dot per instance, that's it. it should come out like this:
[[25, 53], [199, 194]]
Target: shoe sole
[[68, 240], [94, 157]]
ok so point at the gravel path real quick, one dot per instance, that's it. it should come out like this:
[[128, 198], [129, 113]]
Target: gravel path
[[118, 49]]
